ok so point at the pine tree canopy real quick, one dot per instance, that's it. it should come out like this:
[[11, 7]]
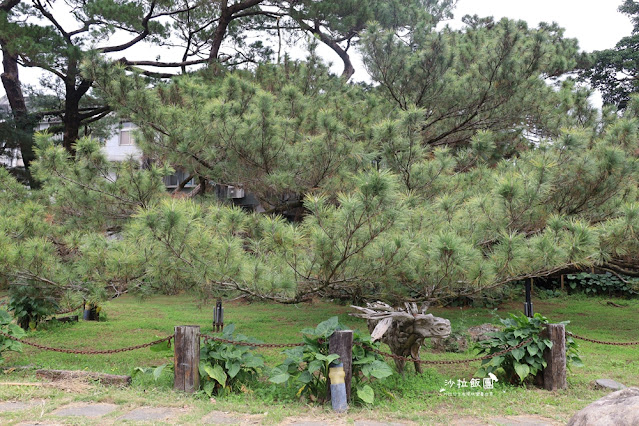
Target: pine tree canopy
[[465, 166]]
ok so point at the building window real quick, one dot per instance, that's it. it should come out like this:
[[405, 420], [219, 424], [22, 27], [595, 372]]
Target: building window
[[126, 134], [174, 180]]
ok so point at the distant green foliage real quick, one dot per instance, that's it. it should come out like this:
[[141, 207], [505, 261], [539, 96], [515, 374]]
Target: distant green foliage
[[225, 367], [526, 362], [603, 284], [306, 367]]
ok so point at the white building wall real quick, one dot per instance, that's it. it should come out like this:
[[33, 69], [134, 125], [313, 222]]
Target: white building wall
[[121, 145]]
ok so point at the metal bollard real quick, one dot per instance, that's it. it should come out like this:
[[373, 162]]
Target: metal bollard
[[218, 316]]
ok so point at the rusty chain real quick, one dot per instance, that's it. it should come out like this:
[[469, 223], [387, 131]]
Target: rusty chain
[[460, 361], [253, 345], [81, 352], [601, 342]]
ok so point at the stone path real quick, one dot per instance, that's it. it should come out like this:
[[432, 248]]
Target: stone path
[[103, 413]]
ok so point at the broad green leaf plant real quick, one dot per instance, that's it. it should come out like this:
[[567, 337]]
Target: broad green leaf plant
[[522, 364], [7, 344], [225, 367]]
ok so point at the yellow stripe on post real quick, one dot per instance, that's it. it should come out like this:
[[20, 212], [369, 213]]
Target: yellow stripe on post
[[336, 374]]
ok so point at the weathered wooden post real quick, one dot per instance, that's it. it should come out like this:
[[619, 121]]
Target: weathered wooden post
[[555, 357], [341, 343], [186, 346]]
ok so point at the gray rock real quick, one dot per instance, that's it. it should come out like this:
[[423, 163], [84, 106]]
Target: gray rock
[[619, 408], [456, 342], [17, 405], [609, 384], [85, 410], [482, 332]]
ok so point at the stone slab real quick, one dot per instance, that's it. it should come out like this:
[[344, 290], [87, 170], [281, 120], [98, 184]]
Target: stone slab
[[376, 423], [150, 413], [9, 406], [609, 384], [85, 410]]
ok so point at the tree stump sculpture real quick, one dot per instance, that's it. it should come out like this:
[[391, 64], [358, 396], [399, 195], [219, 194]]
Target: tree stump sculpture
[[403, 329]]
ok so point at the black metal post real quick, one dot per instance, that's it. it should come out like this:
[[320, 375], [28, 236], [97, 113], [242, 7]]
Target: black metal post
[[215, 318], [221, 313], [528, 306], [218, 316]]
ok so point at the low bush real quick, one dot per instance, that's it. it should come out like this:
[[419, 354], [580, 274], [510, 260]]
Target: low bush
[[31, 304], [521, 364], [226, 367], [7, 344]]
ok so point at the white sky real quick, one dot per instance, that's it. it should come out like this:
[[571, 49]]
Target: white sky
[[595, 23]]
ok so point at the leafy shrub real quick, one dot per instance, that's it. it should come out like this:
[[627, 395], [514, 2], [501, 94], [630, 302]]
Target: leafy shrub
[[31, 305], [307, 366], [525, 362], [7, 344], [603, 284], [225, 367]]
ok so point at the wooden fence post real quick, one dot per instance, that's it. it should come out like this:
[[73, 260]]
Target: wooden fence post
[[341, 343], [555, 371], [186, 346]]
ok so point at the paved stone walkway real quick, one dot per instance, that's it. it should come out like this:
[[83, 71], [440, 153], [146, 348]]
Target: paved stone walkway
[[103, 413]]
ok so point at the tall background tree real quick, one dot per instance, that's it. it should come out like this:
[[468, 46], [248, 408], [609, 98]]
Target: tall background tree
[[614, 72]]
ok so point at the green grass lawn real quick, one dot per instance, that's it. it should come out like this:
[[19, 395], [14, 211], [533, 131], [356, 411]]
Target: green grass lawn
[[131, 321]]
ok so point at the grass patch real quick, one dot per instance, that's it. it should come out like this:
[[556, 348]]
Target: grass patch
[[412, 397]]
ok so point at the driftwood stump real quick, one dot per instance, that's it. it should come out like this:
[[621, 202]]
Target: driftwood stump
[[403, 329]]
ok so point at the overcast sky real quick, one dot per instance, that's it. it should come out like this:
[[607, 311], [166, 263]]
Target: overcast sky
[[595, 23]]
